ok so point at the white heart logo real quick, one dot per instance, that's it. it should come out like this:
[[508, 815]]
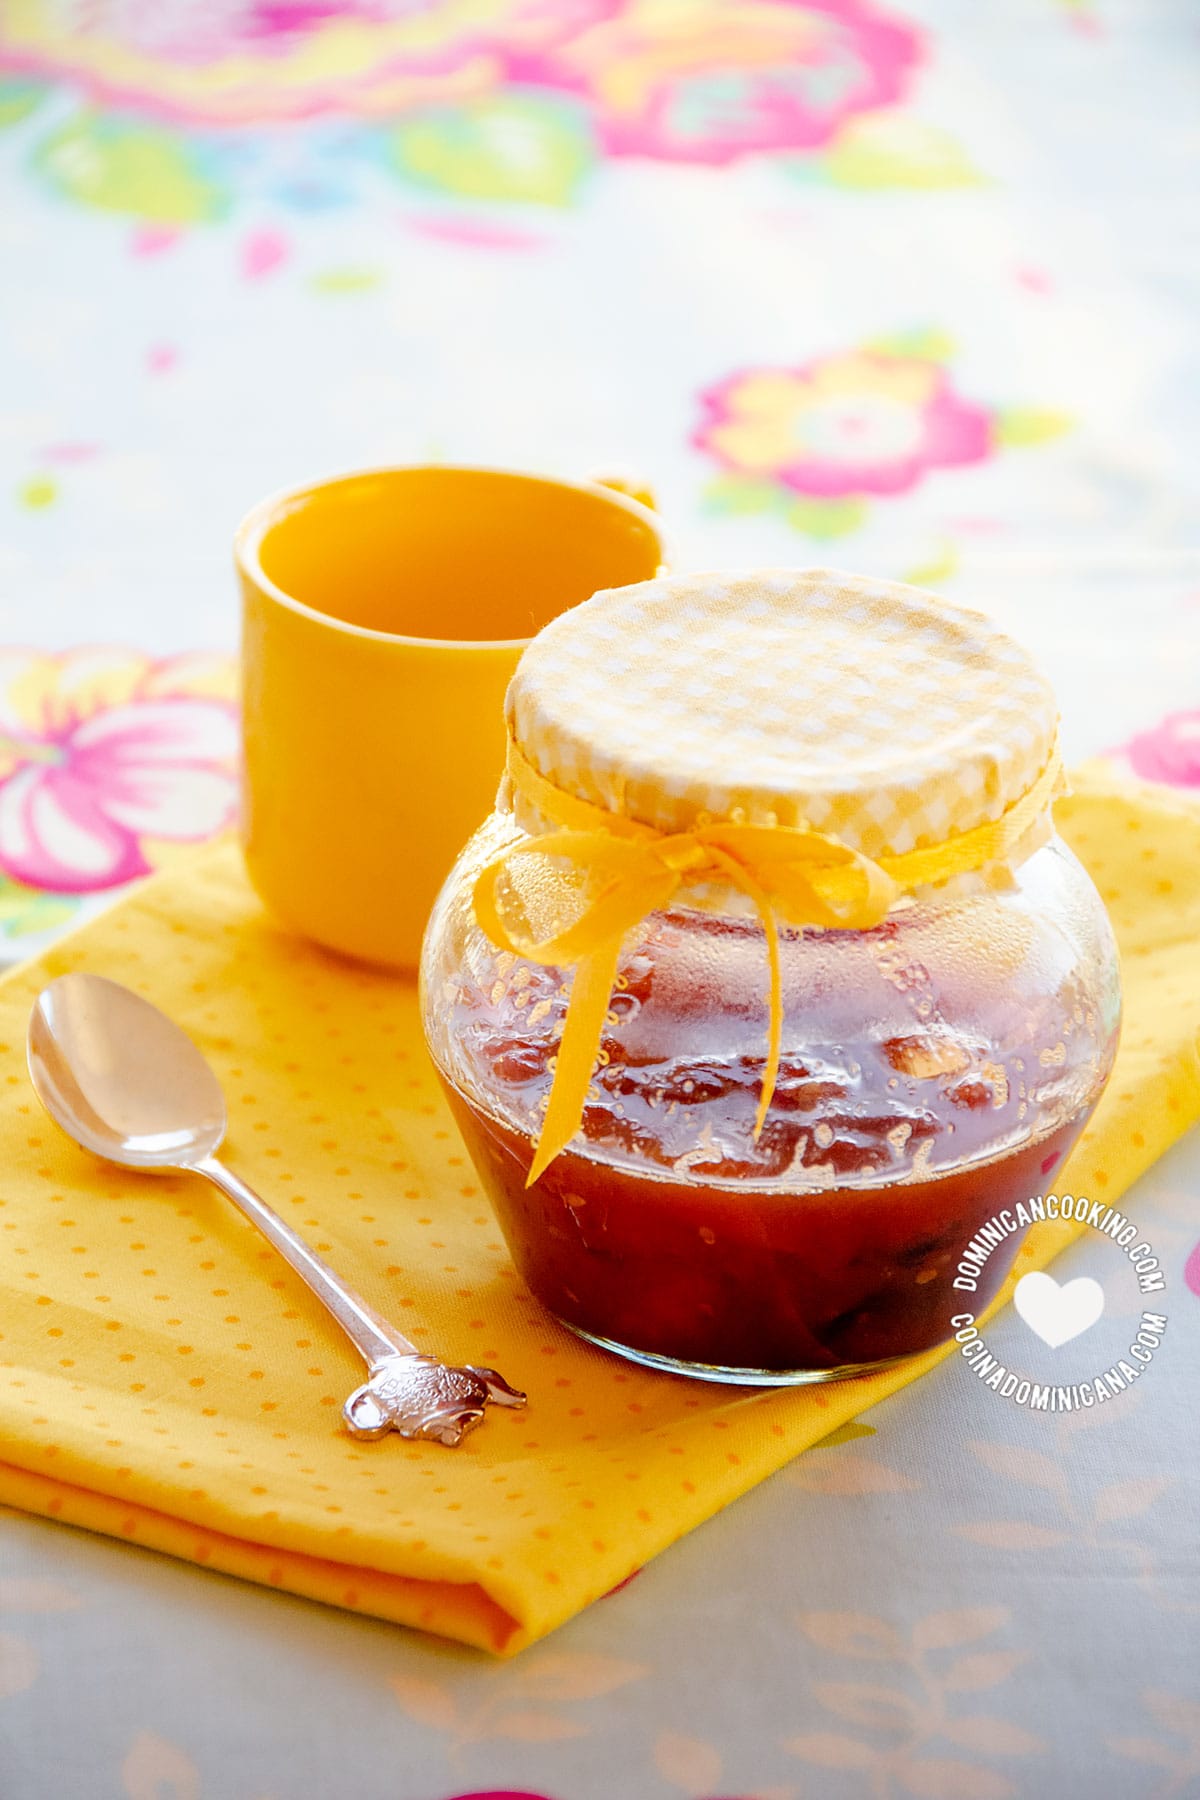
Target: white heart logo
[[1058, 1314]]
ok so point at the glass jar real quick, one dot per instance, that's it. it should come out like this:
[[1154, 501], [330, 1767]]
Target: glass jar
[[934, 1068]]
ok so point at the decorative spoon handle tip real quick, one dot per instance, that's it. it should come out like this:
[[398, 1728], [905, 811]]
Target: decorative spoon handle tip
[[422, 1398]]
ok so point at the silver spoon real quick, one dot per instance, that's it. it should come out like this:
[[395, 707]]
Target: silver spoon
[[128, 1084]]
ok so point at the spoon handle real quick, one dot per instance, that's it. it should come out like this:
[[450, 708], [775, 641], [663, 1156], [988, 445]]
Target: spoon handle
[[373, 1338], [405, 1390]]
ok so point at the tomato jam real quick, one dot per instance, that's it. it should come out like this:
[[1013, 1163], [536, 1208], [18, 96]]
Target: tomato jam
[[830, 1241], [745, 1278]]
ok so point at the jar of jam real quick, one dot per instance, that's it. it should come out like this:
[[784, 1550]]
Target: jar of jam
[[768, 983]]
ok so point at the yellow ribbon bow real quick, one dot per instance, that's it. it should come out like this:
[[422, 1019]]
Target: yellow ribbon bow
[[632, 870]]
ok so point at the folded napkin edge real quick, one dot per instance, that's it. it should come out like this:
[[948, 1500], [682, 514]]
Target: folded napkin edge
[[462, 1612]]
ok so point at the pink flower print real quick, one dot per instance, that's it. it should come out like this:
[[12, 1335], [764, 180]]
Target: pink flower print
[[1170, 751], [1191, 1271], [721, 79], [859, 422], [107, 760]]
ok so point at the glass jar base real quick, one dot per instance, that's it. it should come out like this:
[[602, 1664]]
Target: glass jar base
[[731, 1377]]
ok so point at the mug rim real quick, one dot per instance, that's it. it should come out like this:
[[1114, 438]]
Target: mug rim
[[254, 525]]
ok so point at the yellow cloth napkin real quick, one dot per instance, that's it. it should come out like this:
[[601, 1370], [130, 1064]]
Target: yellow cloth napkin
[[164, 1378]]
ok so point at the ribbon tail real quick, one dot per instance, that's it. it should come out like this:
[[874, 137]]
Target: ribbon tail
[[742, 878], [583, 1027], [770, 925]]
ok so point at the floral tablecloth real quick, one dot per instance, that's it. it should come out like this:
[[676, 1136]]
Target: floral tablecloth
[[906, 288]]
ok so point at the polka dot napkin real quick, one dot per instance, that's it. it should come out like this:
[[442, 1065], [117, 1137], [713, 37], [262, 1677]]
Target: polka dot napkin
[[164, 1378]]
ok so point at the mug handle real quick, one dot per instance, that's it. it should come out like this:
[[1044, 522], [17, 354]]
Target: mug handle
[[626, 481]]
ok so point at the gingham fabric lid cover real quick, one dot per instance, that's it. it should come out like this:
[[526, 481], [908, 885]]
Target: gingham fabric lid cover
[[862, 708]]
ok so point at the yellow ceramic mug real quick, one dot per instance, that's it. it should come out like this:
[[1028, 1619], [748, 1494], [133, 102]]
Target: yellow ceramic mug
[[383, 616]]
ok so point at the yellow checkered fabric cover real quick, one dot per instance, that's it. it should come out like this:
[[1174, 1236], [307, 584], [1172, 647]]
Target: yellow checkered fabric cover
[[862, 708]]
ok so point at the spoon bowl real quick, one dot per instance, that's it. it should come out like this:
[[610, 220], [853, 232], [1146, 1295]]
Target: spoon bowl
[[122, 1078]]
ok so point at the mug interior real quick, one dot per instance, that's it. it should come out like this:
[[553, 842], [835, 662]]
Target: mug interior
[[450, 553]]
